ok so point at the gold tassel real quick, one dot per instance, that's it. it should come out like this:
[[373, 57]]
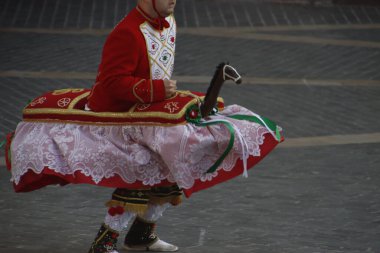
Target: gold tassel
[[139, 209], [174, 200]]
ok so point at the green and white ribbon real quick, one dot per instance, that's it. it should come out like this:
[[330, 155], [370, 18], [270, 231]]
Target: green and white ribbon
[[234, 131], [230, 128], [267, 123]]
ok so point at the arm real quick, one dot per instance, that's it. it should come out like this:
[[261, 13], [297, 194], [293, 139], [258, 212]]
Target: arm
[[121, 57]]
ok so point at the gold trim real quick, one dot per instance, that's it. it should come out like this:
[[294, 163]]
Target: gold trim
[[129, 198], [126, 115], [80, 112], [188, 93], [174, 96], [105, 123], [132, 109], [173, 200], [67, 90], [130, 207], [77, 99], [129, 115], [102, 236], [113, 203], [110, 229], [134, 92], [160, 65]]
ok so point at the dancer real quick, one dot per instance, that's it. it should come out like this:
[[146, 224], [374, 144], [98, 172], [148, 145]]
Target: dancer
[[136, 67], [135, 132]]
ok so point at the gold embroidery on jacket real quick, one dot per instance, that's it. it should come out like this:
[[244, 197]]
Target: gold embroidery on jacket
[[134, 91]]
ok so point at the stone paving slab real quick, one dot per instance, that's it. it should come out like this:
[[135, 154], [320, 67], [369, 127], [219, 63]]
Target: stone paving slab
[[295, 201], [96, 14], [42, 52], [197, 55], [278, 59], [344, 34]]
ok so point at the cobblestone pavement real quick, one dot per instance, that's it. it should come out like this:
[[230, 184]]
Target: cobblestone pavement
[[312, 69]]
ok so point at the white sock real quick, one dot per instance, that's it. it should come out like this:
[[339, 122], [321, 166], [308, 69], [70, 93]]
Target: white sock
[[118, 222], [154, 212]]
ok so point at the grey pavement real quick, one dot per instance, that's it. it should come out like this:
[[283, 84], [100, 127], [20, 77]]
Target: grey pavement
[[304, 199], [97, 14]]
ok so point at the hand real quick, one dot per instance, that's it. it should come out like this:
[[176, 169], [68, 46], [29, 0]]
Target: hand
[[170, 87]]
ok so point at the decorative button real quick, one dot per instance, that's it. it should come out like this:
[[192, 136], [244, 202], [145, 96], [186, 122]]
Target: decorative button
[[193, 114]]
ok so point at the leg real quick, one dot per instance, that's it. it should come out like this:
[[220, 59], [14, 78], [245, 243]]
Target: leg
[[142, 229], [123, 207], [106, 239], [141, 236], [154, 212]]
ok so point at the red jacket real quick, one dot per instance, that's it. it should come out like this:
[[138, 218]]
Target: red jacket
[[124, 76]]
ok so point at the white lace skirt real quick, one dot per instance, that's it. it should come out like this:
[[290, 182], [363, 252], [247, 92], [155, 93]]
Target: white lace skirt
[[135, 156]]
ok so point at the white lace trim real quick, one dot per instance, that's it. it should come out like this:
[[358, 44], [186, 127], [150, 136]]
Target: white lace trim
[[149, 154]]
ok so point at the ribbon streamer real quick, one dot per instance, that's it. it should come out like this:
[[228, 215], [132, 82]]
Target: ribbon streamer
[[267, 123]]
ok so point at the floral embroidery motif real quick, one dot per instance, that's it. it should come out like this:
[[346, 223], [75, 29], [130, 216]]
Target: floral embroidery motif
[[172, 106], [161, 49], [157, 74], [165, 57], [40, 100], [154, 46], [63, 102], [171, 39]]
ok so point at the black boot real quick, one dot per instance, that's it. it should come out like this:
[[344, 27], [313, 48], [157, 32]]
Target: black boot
[[105, 241], [141, 237], [140, 233]]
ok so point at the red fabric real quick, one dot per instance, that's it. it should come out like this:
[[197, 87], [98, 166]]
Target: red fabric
[[31, 181], [67, 105], [124, 70], [64, 99]]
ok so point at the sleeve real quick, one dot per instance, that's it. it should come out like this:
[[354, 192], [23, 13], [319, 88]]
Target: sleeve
[[122, 53]]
